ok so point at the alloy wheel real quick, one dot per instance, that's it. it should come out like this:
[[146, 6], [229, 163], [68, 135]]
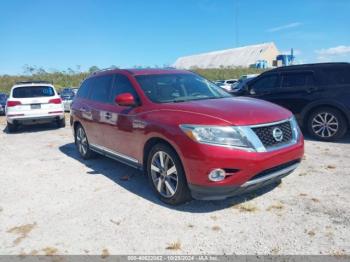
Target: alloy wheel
[[325, 125], [164, 174], [82, 143]]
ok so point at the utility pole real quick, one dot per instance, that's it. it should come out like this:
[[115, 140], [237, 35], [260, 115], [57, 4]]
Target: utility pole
[[236, 23]]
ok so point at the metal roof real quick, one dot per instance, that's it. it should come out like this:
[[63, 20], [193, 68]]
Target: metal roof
[[235, 57]]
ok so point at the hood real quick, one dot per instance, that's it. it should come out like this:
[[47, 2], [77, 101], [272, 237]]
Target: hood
[[233, 111]]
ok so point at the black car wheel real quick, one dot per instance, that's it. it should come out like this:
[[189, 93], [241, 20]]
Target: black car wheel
[[61, 122], [11, 128], [167, 176], [82, 143], [327, 124]]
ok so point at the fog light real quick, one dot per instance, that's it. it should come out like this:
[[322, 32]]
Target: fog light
[[217, 175]]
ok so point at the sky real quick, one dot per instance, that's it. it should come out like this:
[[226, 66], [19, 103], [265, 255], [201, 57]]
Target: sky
[[77, 34]]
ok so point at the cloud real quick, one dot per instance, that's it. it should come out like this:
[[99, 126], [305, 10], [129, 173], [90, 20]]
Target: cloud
[[284, 27], [333, 54], [334, 51]]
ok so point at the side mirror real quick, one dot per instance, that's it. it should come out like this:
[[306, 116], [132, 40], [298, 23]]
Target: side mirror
[[252, 92], [125, 99]]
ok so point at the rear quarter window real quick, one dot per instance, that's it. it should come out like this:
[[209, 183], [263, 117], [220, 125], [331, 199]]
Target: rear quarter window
[[32, 91], [336, 76]]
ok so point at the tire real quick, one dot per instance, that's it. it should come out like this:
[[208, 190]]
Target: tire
[[327, 124], [82, 143], [11, 128], [61, 123], [171, 188]]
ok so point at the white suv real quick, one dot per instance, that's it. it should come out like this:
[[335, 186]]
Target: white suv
[[33, 102]]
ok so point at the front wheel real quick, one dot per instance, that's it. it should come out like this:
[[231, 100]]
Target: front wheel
[[167, 176], [82, 143], [327, 124]]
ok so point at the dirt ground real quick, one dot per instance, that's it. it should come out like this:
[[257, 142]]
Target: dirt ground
[[53, 202]]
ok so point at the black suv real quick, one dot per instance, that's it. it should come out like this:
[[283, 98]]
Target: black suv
[[318, 94]]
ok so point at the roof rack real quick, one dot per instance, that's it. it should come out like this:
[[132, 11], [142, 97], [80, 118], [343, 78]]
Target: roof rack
[[34, 82], [104, 69]]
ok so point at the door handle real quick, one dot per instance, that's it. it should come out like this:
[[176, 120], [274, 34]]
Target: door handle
[[83, 109], [108, 115], [311, 89]]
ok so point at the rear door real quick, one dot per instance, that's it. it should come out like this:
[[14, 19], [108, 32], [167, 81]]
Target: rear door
[[296, 91], [96, 113]]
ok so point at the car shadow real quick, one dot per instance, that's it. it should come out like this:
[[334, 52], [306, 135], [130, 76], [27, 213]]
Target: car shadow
[[137, 183], [32, 128], [344, 140]]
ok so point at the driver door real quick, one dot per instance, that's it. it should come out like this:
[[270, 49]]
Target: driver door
[[122, 136], [265, 87]]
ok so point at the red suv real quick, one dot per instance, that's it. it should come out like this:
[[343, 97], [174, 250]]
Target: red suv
[[191, 138]]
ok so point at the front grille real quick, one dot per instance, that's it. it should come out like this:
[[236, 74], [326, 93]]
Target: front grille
[[265, 134]]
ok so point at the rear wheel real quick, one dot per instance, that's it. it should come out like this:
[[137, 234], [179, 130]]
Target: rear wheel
[[82, 143], [166, 175], [11, 128], [61, 122], [327, 124]]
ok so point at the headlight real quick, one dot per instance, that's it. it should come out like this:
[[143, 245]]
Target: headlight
[[295, 128], [216, 135]]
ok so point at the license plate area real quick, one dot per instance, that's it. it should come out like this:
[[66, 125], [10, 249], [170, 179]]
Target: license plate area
[[35, 106]]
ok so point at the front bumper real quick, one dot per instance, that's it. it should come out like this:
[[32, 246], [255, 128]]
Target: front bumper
[[242, 167], [261, 180]]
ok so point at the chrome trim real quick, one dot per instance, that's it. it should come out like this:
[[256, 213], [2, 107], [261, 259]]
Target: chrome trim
[[281, 172], [295, 134], [117, 154], [271, 123], [253, 138]]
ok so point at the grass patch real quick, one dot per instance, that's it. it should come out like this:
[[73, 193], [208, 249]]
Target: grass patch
[[105, 253], [50, 251], [246, 208], [216, 228], [278, 206], [22, 231], [174, 246]]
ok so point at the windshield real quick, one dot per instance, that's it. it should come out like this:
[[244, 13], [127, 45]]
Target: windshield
[[32, 91], [178, 88]]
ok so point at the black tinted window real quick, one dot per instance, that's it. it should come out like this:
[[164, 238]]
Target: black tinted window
[[100, 88], [296, 79], [338, 76], [122, 85], [265, 83], [83, 91], [32, 91]]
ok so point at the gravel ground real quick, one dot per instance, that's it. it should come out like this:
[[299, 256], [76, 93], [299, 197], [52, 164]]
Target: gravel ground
[[52, 202]]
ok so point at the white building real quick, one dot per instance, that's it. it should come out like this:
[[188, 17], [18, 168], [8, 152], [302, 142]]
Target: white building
[[236, 57]]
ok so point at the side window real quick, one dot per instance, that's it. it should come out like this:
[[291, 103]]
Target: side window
[[122, 85], [265, 83], [337, 76], [100, 88], [296, 80], [83, 91]]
